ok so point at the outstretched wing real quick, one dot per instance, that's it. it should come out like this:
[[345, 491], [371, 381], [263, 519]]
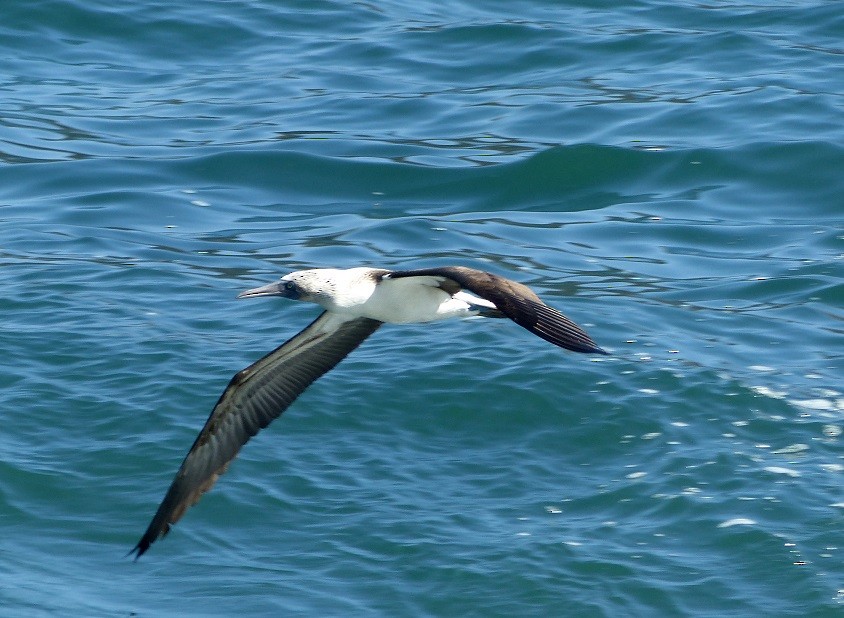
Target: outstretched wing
[[254, 397], [515, 300]]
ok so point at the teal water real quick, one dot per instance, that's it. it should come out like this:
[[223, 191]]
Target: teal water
[[667, 174]]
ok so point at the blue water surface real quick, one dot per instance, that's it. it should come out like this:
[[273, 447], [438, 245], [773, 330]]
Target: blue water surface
[[667, 174]]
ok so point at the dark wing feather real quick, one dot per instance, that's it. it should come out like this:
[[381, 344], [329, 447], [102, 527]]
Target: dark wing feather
[[515, 300], [253, 398]]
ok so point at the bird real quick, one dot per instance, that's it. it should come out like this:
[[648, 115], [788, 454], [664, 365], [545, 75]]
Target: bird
[[356, 302]]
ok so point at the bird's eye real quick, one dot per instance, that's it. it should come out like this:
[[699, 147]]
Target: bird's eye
[[289, 285]]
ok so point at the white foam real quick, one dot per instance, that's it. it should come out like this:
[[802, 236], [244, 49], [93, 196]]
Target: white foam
[[815, 404], [768, 392], [782, 470], [737, 521], [833, 467], [792, 449], [832, 431]]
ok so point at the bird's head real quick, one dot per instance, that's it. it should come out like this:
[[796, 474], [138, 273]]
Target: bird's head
[[305, 285]]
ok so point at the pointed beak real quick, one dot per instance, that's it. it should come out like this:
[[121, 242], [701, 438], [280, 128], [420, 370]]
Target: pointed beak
[[271, 289]]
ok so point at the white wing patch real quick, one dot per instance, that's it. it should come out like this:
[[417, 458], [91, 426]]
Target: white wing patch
[[474, 301]]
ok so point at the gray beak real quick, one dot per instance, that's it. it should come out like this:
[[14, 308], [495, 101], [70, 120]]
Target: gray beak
[[271, 289]]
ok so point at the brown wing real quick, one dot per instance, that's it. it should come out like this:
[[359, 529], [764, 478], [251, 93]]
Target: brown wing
[[254, 398], [516, 301]]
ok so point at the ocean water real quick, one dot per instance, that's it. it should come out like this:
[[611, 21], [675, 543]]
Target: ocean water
[[670, 175]]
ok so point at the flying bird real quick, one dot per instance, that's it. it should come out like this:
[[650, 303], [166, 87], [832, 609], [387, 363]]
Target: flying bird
[[356, 302]]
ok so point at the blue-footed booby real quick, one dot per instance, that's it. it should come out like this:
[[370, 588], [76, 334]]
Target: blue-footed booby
[[356, 302]]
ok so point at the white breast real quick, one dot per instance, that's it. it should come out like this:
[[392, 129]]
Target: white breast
[[412, 299]]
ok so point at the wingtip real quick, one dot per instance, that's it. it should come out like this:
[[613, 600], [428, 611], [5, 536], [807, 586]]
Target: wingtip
[[584, 345], [588, 348], [134, 553], [139, 550]]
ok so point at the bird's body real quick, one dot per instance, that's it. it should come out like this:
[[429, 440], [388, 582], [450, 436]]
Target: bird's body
[[373, 294], [357, 301]]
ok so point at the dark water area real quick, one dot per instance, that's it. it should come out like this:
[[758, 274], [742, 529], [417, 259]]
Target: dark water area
[[669, 176]]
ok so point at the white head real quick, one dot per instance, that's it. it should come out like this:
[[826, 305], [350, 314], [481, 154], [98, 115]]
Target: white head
[[316, 286]]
